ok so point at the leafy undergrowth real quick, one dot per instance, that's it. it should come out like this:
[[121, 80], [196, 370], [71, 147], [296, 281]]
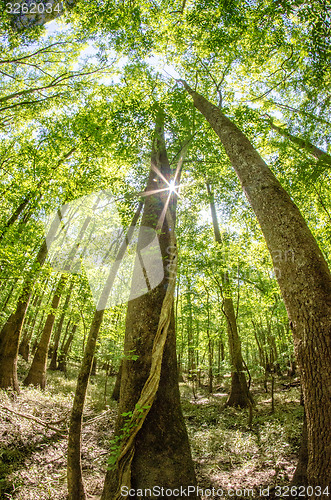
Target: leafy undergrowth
[[33, 458], [227, 453]]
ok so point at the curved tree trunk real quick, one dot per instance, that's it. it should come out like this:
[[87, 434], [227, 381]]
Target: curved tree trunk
[[302, 143], [37, 373], [161, 453], [303, 277]]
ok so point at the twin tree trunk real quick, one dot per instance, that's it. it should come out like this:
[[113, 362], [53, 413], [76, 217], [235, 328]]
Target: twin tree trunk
[[304, 280], [239, 392], [161, 452]]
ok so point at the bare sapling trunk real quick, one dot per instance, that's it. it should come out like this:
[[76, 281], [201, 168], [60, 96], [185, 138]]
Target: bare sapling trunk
[[303, 277], [156, 451]]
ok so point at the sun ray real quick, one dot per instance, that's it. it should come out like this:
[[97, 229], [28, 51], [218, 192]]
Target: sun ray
[[163, 213], [157, 171]]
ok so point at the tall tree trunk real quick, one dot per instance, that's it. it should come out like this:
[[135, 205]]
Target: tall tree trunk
[[210, 348], [14, 217], [191, 368], [160, 453], [9, 294], [303, 277], [116, 391], [239, 392], [24, 347], [37, 373]]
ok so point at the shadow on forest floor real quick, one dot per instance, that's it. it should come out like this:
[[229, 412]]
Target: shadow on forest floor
[[235, 458], [228, 455]]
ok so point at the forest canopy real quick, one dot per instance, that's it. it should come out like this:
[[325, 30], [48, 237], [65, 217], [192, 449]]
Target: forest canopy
[[165, 236]]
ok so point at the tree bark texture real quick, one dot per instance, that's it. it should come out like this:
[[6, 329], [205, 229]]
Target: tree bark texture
[[303, 277]]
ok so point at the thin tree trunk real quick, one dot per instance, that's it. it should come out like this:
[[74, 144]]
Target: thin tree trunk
[[239, 392], [62, 362], [76, 488], [303, 144], [57, 336], [303, 277], [14, 217], [11, 331], [24, 347], [116, 391], [9, 295]]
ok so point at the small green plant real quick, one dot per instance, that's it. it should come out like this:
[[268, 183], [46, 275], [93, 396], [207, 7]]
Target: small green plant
[[129, 424], [130, 356]]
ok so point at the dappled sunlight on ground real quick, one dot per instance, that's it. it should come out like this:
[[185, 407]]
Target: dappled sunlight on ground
[[227, 453]]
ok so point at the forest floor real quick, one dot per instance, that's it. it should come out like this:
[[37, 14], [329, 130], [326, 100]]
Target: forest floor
[[228, 453]]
